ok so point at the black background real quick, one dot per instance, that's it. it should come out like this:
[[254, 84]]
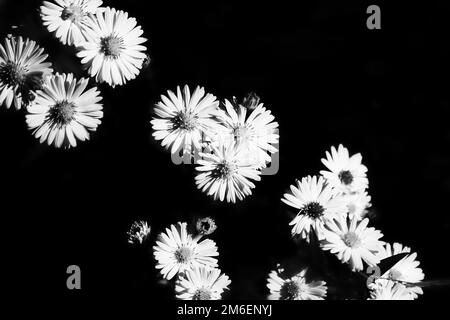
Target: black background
[[326, 78]]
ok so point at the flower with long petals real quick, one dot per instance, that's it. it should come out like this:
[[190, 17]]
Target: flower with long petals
[[113, 51], [201, 283], [316, 202], [177, 251], [390, 290], [65, 111], [67, 19], [183, 119], [346, 173], [353, 242], [22, 71], [295, 288], [254, 130], [226, 173]]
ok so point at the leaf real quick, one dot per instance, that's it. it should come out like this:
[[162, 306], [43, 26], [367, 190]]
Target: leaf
[[387, 263]]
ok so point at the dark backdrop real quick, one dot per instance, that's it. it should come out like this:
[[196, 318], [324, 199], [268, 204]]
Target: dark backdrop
[[326, 78]]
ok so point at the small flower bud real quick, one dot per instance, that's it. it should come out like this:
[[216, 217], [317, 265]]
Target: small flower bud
[[206, 226]]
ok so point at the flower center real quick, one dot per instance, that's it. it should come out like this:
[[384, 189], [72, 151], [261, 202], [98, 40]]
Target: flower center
[[223, 170], [289, 290], [62, 112], [111, 46], [12, 74], [202, 294], [394, 274], [351, 208], [183, 255], [313, 210], [346, 177], [72, 13], [351, 240], [185, 121]]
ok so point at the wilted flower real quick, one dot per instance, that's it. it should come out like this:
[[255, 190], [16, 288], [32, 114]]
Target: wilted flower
[[206, 226], [138, 233]]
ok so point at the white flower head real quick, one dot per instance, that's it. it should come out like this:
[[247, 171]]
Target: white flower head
[[317, 202], [67, 19], [113, 51], [226, 173], [357, 204], [353, 242], [138, 233], [390, 290], [201, 283], [345, 173], [254, 130], [65, 111], [406, 270], [295, 288], [177, 251], [22, 71], [183, 119]]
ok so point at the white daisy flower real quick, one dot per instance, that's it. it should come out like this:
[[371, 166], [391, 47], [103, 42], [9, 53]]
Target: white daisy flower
[[176, 251], [390, 290], [357, 204], [406, 270], [226, 173], [64, 111], [201, 283], [138, 233], [346, 173], [22, 71], [254, 130], [183, 119], [317, 201], [295, 288], [67, 18], [113, 51], [353, 242]]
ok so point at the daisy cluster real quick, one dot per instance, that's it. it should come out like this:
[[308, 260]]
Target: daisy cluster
[[230, 142], [332, 211], [62, 109], [190, 257]]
